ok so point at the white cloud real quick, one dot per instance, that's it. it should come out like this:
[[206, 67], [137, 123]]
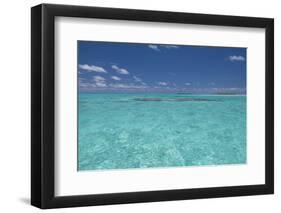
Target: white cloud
[[100, 84], [158, 47], [154, 47], [98, 79], [120, 70], [137, 79], [187, 84], [215, 89], [212, 84], [233, 89], [86, 85], [92, 68], [161, 83], [236, 58], [127, 86], [170, 46], [115, 78]]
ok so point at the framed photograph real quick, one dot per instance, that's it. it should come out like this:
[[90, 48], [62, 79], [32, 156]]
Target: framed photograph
[[139, 106]]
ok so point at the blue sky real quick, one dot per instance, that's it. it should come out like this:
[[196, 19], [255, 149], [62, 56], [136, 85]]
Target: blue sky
[[130, 67]]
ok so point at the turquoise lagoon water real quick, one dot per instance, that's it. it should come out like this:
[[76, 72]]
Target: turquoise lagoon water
[[122, 131]]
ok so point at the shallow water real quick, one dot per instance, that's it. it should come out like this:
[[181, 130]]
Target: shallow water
[[121, 131]]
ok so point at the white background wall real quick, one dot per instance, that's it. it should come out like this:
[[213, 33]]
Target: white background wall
[[15, 105]]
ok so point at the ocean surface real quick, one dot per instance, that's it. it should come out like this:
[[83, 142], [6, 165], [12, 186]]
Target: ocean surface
[[123, 131]]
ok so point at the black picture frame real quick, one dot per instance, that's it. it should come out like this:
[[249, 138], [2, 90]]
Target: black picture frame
[[43, 101]]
